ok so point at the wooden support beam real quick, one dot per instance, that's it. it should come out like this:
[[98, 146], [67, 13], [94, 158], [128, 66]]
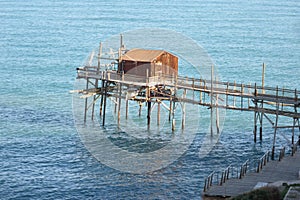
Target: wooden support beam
[[102, 95], [275, 128], [140, 109], [126, 115], [94, 101], [149, 113], [255, 125], [86, 100], [211, 100], [183, 110], [261, 122], [158, 113], [217, 115], [120, 99], [255, 116], [105, 99], [170, 108], [173, 107], [263, 78]]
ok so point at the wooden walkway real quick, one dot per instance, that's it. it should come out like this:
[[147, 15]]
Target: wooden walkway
[[285, 170], [263, 101], [268, 103]]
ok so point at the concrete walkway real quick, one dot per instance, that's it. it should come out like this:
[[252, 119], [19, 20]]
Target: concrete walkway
[[285, 170]]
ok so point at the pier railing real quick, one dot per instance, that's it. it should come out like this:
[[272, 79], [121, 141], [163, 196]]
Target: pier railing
[[231, 172], [295, 147], [263, 161], [281, 153], [244, 168], [208, 181]]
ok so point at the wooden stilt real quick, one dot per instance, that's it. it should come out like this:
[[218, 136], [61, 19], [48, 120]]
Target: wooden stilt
[[158, 113], [200, 93], [149, 113], [126, 115], [170, 109], [293, 131], [249, 91], [86, 101], [255, 114], [116, 105], [173, 107], [102, 83], [94, 100], [140, 109], [234, 88], [211, 101], [183, 110], [104, 107], [193, 85], [274, 138], [242, 99], [227, 87], [263, 78], [217, 116], [120, 99], [261, 122], [275, 127], [101, 101], [255, 126]]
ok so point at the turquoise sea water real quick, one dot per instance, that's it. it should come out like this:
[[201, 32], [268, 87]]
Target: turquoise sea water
[[41, 44]]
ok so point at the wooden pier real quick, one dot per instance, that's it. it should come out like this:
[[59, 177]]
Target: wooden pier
[[154, 81], [168, 91], [161, 86], [267, 172]]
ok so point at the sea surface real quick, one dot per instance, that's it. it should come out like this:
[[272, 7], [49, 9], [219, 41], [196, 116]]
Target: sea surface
[[43, 42]]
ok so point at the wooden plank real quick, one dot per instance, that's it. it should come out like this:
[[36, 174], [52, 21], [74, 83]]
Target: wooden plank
[[270, 173]]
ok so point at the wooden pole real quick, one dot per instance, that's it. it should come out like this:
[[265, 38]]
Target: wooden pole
[[94, 101], [120, 99], [158, 113], [102, 95], [126, 116], [255, 115], [86, 100], [263, 78], [149, 114], [293, 131], [183, 110], [275, 127], [234, 87], [217, 116], [211, 101], [173, 107], [104, 107], [227, 94], [193, 89], [200, 82], [242, 99], [170, 108], [261, 121], [140, 109]]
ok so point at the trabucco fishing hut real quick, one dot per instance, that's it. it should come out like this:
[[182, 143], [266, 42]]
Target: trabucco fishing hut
[[151, 76]]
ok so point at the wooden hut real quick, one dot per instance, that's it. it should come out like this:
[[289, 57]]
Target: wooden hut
[[154, 62]]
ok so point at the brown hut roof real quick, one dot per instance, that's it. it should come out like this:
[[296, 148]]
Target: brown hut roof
[[142, 55]]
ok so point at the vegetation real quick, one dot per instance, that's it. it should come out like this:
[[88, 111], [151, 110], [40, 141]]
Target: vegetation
[[265, 193]]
